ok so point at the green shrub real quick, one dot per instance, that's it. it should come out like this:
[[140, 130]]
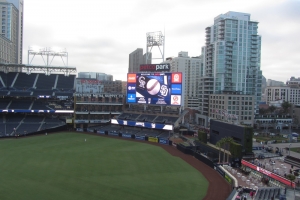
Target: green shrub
[[236, 150], [290, 177], [202, 136]]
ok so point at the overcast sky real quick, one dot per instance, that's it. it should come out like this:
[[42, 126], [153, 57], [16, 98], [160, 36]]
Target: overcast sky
[[99, 35]]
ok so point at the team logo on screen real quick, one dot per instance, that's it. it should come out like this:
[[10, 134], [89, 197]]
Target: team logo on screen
[[131, 98], [176, 77], [175, 99], [176, 89], [164, 90], [142, 82], [131, 78], [131, 87]]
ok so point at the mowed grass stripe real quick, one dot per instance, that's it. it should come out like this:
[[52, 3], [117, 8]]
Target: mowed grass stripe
[[64, 166]]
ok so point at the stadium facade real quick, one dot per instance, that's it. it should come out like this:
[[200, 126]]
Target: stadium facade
[[31, 101]]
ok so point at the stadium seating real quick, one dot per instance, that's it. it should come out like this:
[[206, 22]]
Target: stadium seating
[[20, 93], [164, 134], [160, 119], [44, 92], [39, 105], [25, 128], [45, 82], [8, 78], [23, 104], [24, 81], [33, 119], [65, 82], [4, 103], [265, 193]]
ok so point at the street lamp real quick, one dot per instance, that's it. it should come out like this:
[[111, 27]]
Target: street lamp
[[290, 148]]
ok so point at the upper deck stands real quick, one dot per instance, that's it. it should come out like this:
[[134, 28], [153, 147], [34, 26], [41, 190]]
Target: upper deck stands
[[22, 104], [65, 82], [45, 82], [25, 81], [8, 78]]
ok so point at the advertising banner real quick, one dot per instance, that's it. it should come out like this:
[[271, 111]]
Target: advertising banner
[[101, 132], [269, 174], [142, 124], [95, 121], [90, 130], [163, 141], [115, 133], [126, 135], [89, 86], [82, 121], [227, 178], [152, 139], [69, 121], [139, 137], [154, 88], [155, 67]]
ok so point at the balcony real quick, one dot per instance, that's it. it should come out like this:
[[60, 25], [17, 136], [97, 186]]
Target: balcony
[[229, 44], [228, 58], [228, 53]]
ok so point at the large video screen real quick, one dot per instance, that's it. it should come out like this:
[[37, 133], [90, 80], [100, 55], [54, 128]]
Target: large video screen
[[154, 88]]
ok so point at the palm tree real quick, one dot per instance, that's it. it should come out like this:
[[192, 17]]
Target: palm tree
[[229, 140], [223, 143], [219, 144]]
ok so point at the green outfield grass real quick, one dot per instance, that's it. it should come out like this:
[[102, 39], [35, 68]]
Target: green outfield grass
[[64, 166]]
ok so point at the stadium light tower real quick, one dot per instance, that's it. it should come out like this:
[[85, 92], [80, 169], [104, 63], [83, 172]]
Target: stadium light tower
[[49, 53], [155, 39]]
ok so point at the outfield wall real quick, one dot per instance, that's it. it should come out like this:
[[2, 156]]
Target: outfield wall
[[192, 150], [44, 131], [160, 140]]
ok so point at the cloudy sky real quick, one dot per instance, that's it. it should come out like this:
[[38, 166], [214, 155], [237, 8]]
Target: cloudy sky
[[99, 35]]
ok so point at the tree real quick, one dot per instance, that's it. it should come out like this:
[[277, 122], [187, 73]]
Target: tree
[[202, 136], [223, 142], [219, 144], [262, 111], [229, 141], [286, 106], [272, 109]]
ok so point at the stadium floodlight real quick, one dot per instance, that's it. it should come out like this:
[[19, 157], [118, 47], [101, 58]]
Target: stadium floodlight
[[48, 53], [34, 48], [155, 39]]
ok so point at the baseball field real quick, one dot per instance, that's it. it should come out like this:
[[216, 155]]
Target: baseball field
[[82, 166]]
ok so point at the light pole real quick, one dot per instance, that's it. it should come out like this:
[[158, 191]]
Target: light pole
[[290, 148]]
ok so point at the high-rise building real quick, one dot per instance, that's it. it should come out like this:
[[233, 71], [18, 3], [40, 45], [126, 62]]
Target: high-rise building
[[289, 92], [11, 37], [95, 75], [274, 83], [136, 58], [231, 62], [190, 67]]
